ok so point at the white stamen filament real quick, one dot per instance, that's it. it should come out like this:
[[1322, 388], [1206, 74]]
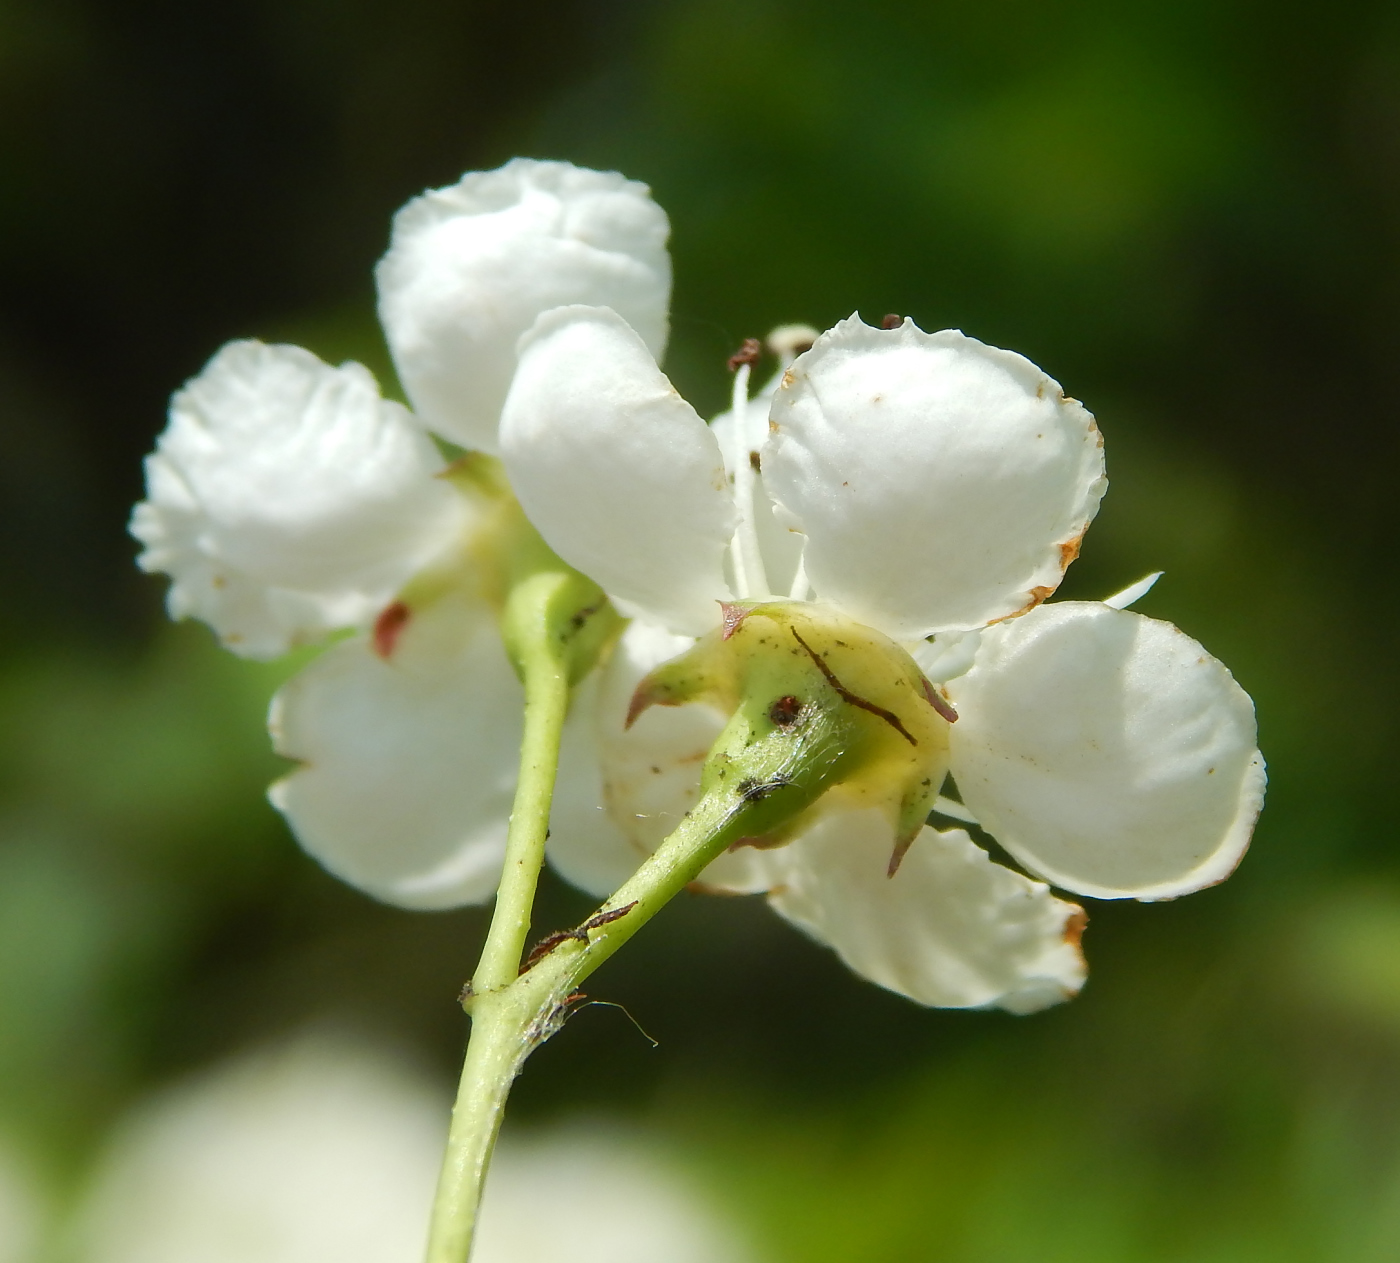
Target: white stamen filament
[[801, 586], [750, 580]]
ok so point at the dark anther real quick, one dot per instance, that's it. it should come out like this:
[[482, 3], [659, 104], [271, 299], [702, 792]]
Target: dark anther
[[785, 710], [892, 321], [746, 354], [755, 462]]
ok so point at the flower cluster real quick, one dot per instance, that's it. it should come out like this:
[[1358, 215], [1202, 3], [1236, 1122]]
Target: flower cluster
[[922, 490]]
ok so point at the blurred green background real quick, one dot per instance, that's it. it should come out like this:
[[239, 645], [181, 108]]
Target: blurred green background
[[1187, 212]]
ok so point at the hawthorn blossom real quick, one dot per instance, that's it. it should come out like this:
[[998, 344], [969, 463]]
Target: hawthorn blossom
[[938, 489], [287, 500]]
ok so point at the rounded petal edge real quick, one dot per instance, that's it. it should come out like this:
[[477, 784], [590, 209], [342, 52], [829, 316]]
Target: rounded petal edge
[[1108, 752], [950, 928], [617, 472], [942, 483], [286, 498], [470, 267], [406, 763]]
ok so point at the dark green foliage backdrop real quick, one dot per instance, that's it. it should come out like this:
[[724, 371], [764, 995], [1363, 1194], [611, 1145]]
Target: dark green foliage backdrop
[[1189, 213]]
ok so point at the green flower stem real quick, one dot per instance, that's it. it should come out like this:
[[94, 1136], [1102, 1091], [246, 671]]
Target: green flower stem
[[762, 772], [510, 1023], [541, 618]]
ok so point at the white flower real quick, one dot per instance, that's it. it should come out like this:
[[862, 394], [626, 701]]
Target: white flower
[[325, 1150], [287, 500], [471, 266], [940, 487]]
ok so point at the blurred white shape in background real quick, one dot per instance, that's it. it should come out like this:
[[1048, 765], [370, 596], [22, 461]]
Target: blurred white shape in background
[[591, 1195], [326, 1152], [320, 1150], [20, 1212]]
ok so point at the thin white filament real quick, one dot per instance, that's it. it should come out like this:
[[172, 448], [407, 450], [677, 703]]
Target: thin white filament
[[801, 585], [750, 579]]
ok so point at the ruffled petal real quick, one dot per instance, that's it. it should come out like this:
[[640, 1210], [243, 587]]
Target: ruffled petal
[[950, 928], [941, 483], [616, 470], [470, 267], [1108, 752], [408, 763], [286, 498]]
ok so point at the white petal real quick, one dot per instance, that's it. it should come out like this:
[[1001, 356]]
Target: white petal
[[1134, 592], [286, 498], [650, 777], [1107, 752], [586, 848], [408, 764], [616, 470], [954, 810], [947, 656], [941, 483], [470, 267], [950, 928]]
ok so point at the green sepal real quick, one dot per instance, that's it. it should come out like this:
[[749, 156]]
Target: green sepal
[[799, 671], [542, 603]]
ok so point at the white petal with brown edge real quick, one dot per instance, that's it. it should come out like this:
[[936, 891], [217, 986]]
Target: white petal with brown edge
[[472, 265], [950, 929], [615, 469], [1108, 752], [408, 762], [941, 483], [287, 499]]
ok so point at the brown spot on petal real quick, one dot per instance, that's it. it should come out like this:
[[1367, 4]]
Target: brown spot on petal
[[388, 627], [1069, 550], [1074, 927], [788, 380], [1037, 595]]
